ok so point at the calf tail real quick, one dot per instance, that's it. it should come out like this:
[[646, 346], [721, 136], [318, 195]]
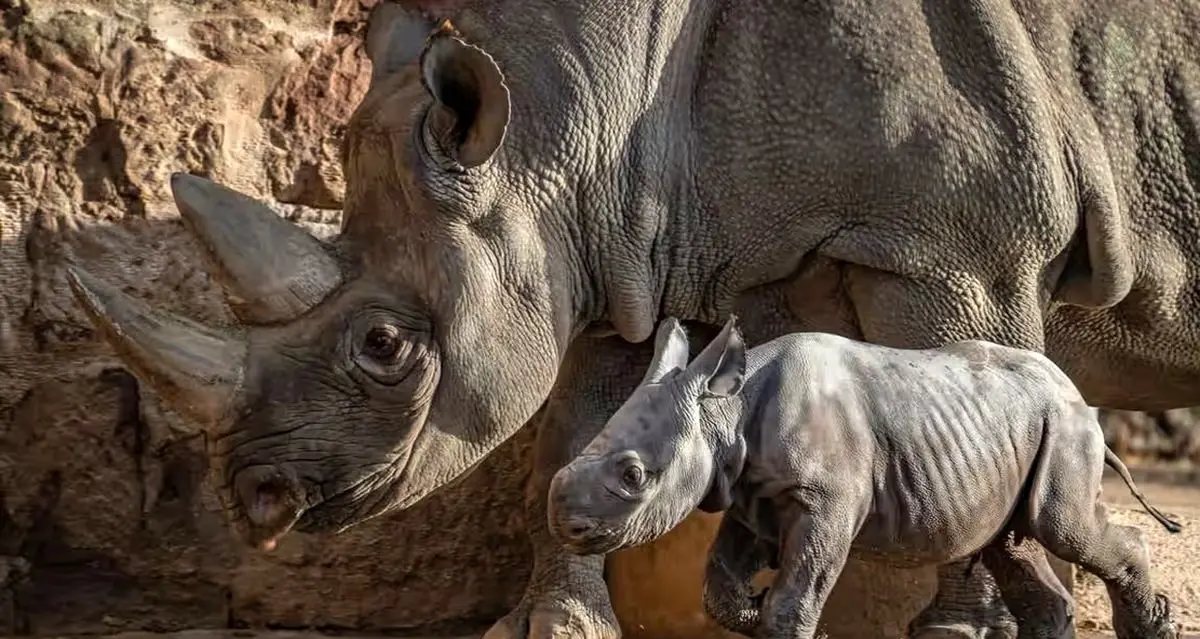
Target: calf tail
[[1116, 464]]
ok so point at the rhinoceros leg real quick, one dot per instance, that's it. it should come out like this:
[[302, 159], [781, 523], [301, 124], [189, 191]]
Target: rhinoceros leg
[[1026, 581], [735, 558], [964, 608], [567, 596]]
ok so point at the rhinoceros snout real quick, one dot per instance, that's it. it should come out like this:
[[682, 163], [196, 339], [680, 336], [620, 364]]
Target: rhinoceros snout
[[272, 500]]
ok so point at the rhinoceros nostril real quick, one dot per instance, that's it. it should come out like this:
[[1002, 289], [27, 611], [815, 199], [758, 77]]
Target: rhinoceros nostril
[[578, 527], [268, 501], [267, 504]]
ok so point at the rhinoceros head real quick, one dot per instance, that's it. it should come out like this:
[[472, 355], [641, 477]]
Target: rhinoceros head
[[673, 446], [366, 372]]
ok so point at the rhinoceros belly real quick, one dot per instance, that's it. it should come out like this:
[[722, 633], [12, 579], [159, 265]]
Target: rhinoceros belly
[[950, 481]]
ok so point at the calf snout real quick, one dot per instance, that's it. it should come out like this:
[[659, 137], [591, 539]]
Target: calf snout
[[583, 517], [272, 501], [578, 528]]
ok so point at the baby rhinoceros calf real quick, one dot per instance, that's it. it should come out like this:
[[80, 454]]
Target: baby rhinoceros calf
[[820, 447]]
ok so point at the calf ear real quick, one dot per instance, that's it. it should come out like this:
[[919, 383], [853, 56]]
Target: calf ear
[[471, 113], [670, 351], [723, 362], [720, 493]]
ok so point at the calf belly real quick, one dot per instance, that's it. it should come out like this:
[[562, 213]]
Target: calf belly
[[927, 538], [656, 590]]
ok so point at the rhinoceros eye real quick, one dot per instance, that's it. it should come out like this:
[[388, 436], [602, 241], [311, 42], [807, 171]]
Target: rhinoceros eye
[[633, 477], [382, 343]]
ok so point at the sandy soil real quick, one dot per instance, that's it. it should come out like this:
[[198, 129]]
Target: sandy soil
[[1176, 559]]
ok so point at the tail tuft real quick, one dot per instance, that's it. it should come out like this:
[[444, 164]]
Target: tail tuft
[[1115, 463], [1171, 525]]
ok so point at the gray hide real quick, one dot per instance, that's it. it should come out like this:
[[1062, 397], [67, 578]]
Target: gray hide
[[823, 447], [531, 189]]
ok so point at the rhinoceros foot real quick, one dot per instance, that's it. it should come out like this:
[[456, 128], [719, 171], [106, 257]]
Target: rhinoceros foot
[[963, 630], [1158, 622], [547, 615]]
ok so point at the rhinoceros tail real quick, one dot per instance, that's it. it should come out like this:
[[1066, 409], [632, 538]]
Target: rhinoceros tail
[[1116, 464]]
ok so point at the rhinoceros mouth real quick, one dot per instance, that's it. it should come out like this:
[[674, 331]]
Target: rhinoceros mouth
[[366, 498], [602, 542], [265, 538], [335, 518], [317, 518]]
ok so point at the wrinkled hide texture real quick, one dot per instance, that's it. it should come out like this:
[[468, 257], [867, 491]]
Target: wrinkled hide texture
[[909, 172]]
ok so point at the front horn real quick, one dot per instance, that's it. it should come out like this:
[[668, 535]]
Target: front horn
[[195, 368], [272, 269]]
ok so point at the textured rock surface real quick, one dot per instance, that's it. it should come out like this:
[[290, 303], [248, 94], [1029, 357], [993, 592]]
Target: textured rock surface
[[106, 523], [105, 520]]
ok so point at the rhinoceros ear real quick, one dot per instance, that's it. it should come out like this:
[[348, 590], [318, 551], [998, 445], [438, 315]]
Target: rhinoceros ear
[[395, 37], [722, 364], [471, 112]]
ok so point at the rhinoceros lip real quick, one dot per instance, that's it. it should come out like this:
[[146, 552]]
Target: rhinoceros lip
[[276, 532], [312, 522], [328, 515], [267, 538]]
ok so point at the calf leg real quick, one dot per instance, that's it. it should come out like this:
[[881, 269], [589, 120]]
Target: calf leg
[[815, 545], [566, 597], [736, 556], [1067, 517], [1118, 555], [1027, 583]]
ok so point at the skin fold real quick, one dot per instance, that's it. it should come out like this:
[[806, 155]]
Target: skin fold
[[533, 186], [820, 447]]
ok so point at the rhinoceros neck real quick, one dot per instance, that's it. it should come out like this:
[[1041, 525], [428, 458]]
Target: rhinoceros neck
[[602, 97]]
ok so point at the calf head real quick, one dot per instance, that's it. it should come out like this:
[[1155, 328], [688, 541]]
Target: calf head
[[675, 444], [367, 372]]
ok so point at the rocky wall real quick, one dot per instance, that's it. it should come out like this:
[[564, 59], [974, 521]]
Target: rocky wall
[[106, 522]]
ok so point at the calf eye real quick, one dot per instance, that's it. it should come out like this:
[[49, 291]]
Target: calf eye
[[382, 343], [633, 477]]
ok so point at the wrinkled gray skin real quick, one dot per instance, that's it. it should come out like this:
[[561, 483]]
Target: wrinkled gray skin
[[525, 202], [821, 447]]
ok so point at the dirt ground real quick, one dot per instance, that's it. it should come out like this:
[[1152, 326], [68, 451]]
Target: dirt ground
[[1175, 491]]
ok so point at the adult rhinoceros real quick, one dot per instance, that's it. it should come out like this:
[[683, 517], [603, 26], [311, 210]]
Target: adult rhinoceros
[[528, 196]]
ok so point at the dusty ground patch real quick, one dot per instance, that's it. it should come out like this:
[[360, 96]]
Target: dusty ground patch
[[1176, 560]]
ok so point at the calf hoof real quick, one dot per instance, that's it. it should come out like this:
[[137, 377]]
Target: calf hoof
[[1158, 624]]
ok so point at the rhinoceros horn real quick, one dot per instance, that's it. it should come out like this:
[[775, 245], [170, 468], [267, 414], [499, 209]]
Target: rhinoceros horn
[[194, 367], [272, 269]]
